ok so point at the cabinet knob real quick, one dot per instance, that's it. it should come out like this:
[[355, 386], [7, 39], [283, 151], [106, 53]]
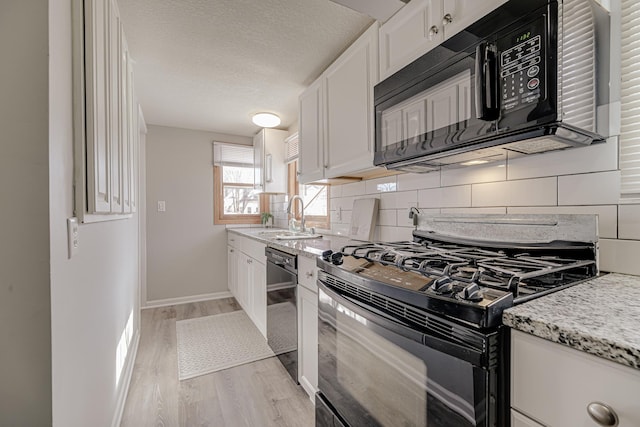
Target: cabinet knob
[[309, 274], [231, 250], [249, 261], [433, 31], [602, 414], [447, 19]]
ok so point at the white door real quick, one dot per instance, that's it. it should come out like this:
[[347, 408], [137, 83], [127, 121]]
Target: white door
[[308, 340], [459, 14]]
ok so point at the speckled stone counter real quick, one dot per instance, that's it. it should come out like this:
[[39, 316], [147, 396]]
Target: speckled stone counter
[[306, 247], [600, 317]]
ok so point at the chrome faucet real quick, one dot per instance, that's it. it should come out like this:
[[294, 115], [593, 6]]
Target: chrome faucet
[[301, 212]]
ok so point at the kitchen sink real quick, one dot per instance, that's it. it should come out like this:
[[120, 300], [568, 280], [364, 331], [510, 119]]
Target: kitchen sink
[[289, 235]]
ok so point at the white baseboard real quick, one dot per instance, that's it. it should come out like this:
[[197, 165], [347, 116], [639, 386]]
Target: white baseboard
[[311, 391], [185, 300], [126, 381]]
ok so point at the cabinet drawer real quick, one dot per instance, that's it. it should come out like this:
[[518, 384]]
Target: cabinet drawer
[[254, 249], [307, 273], [554, 384], [233, 240]]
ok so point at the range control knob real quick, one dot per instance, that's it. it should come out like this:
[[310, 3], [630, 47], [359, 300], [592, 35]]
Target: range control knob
[[471, 293], [336, 258], [326, 255], [442, 285]]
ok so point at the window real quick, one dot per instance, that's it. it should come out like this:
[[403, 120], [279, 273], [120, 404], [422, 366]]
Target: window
[[235, 199], [315, 197]]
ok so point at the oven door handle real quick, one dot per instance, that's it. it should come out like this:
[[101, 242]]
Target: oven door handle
[[394, 325]]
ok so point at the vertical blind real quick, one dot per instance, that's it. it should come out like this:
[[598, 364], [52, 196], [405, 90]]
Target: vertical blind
[[630, 100], [225, 154]]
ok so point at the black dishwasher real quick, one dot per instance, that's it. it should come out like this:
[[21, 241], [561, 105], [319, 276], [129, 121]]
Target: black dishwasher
[[282, 317]]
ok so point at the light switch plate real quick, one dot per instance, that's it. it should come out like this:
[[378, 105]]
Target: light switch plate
[[162, 206], [73, 239]]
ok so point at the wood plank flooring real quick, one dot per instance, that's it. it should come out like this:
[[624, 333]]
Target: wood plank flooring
[[253, 395]]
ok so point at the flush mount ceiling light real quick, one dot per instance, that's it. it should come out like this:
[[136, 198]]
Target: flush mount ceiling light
[[266, 120]]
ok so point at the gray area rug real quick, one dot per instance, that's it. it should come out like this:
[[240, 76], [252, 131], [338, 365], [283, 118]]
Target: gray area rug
[[213, 343]]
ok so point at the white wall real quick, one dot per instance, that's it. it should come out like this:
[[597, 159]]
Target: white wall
[[94, 294], [186, 252], [25, 349], [581, 180]]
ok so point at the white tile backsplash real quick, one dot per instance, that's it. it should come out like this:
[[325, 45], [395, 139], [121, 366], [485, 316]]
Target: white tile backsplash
[[387, 217], [380, 185], [335, 191], [418, 181], [447, 197], [620, 256], [602, 188], [595, 158], [398, 200], [354, 189], [475, 211], [629, 222], [388, 234], [491, 172], [607, 221], [526, 192]]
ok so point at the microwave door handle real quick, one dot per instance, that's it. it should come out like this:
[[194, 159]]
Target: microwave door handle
[[486, 83]]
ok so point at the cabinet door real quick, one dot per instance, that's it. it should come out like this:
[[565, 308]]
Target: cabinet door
[[349, 107], [243, 281], [258, 161], [232, 271], [459, 14], [97, 112], [308, 340], [409, 34], [519, 420], [275, 169], [258, 291], [311, 161], [115, 105], [125, 126]]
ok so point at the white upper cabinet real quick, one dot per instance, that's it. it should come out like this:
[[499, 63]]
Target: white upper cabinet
[[105, 113], [422, 25], [336, 114], [268, 157]]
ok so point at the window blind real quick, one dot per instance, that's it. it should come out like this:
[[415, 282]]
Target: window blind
[[630, 100], [291, 148], [225, 154]]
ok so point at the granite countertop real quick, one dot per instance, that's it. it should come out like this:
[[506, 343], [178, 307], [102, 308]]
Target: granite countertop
[[310, 248], [600, 317]]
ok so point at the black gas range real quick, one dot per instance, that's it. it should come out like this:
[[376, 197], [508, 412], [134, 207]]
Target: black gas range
[[423, 317]]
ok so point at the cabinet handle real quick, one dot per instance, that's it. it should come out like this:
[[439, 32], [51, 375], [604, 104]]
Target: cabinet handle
[[433, 31], [447, 19], [602, 414]]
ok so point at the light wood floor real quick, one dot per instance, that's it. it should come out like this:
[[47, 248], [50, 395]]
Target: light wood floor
[[253, 395]]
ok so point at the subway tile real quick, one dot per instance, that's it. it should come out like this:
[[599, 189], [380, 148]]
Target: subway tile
[[335, 191], [398, 199], [595, 158], [380, 185], [389, 234], [354, 189], [619, 256], [526, 192], [339, 228], [418, 181], [601, 188], [629, 222], [405, 221], [478, 211], [495, 171], [387, 217], [449, 197], [607, 215]]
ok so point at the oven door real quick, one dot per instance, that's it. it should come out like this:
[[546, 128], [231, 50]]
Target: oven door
[[375, 371]]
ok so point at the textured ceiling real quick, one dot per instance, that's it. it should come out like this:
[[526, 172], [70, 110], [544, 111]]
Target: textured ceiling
[[211, 64]]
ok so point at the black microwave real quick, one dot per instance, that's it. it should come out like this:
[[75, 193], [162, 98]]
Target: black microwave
[[530, 77]]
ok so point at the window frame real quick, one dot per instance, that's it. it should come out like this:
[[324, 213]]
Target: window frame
[[219, 217], [293, 188]]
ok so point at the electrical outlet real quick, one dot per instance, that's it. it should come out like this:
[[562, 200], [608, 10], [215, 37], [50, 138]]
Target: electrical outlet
[[162, 206], [73, 239]]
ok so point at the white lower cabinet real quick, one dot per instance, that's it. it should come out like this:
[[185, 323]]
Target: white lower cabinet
[[519, 420], [308, 325], [247, 278], [308, 340], [554, 385]]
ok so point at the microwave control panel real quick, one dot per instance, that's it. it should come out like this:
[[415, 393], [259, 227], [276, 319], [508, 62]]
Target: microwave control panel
[[522, 68]]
